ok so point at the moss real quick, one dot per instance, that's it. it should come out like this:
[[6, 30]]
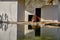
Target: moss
[[39, 38]]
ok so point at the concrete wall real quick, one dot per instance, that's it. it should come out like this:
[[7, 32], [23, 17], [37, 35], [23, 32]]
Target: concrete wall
[[10, 8], [28, 32], [58, 29], [50, 12], [59, 11], [21, 17], [8, 0]]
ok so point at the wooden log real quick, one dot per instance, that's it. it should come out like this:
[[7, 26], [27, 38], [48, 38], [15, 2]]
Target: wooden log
[[35, 23], [27, 23]]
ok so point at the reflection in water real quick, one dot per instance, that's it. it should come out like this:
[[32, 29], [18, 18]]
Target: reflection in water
[[0, 21], [3, 26]]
